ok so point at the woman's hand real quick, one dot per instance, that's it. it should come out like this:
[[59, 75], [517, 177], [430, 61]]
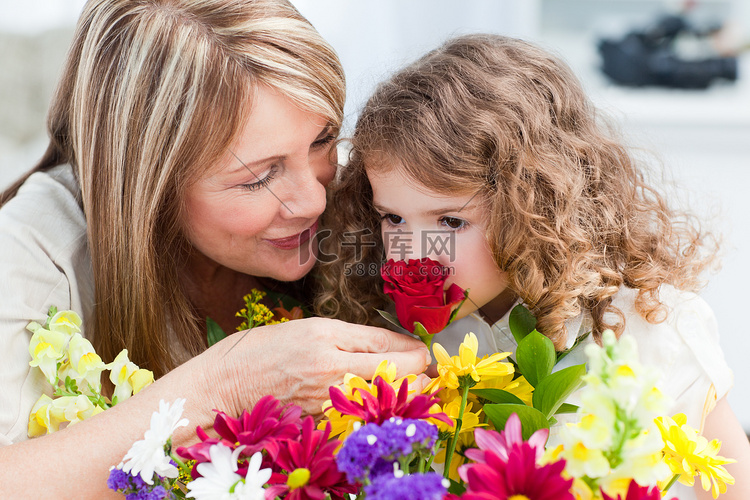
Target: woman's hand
[[298, 361]]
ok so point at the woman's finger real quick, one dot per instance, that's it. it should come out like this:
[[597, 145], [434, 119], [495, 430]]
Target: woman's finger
[[406, 362], [362, 338]]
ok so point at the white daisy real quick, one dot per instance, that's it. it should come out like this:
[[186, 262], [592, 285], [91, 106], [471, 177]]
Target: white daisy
[[220, 480], [147, 456]]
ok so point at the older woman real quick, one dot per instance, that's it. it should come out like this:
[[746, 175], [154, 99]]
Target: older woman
[[191, 144]]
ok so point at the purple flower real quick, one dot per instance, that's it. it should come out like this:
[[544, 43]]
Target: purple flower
[[118, 480], [371, 451], [135, 488], [427, 486], [407, 436], [362, 454]]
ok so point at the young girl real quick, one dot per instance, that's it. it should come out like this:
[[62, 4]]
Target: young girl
[[486, 156]]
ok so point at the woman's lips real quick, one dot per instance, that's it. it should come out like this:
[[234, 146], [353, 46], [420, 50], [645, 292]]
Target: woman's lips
[[296, 240]]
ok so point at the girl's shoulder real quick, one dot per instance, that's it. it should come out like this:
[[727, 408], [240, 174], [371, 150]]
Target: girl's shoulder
[[684, 347]]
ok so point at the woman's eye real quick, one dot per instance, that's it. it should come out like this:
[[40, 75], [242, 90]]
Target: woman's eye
[[392, 219], [453, 222], [323, 141], [261, 183]]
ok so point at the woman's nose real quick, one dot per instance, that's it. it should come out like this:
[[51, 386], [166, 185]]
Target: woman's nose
[[307, 196]]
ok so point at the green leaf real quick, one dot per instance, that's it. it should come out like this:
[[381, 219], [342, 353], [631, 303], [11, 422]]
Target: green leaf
[[284, 300], [553, 390], [456, 488], [423, 334], [566, 408], [497, 396], [521, 322], [455, 311], [531, 419], [390, 318], [535, 357], [213, 332]]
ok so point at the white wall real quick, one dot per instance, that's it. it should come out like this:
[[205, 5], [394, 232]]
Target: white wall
[[375, 38]]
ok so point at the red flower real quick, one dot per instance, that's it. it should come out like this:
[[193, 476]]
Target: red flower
[[519, 474], [387, 404], [637, 492], [417, 288], [311, 471], [261, 429]]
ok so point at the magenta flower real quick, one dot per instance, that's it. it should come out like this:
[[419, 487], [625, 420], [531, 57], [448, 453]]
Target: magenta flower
[[261, 429], [387, 404], [498, 479], [637, 492], [501, 443], [506, 466], [311, 471]]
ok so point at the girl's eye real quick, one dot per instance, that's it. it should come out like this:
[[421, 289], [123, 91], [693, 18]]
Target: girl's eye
[[392, 219], [261, 183], [453, 223]]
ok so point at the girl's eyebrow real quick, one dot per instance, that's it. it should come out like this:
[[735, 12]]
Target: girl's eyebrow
[[458, 209], [437, 211]]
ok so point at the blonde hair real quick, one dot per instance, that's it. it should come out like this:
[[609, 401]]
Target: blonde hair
[[153, 93], [571, 218]]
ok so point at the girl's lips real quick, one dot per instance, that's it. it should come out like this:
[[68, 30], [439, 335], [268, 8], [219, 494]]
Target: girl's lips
[[296, 240]]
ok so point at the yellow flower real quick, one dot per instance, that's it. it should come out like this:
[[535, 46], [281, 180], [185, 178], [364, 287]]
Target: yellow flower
[[453, 368], [343, 425], [68, 322], [470, 420], [519, 387], [84, 364], [47, 414], [583, 461], [127, 377], [72, 409], [141, 379], [689, 454], [39, 418], [47, 347]]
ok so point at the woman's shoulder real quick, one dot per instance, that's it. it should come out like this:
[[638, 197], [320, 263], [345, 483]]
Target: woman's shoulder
[[44, 261], [45, 198]]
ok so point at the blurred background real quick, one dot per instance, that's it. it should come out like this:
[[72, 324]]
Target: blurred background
[[677, 82]]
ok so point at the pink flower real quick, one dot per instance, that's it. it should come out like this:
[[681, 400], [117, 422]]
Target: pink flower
[[637, 492], [261, 429], [498, 479], [502, 442], [506, 465], [387, 404], [417, 288], [311, 470]]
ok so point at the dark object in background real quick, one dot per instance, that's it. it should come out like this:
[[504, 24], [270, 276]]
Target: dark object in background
[[648, 58]]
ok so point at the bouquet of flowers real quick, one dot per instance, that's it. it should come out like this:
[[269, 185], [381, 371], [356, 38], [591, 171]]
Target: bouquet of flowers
[[379, 441], [479, 431]]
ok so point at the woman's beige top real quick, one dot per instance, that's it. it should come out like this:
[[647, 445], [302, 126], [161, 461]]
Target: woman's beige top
[[44, 261]]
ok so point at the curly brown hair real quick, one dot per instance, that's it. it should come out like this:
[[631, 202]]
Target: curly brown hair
[[571, 216]]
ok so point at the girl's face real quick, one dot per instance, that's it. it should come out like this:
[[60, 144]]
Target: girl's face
[[257, 211], [417, 222]]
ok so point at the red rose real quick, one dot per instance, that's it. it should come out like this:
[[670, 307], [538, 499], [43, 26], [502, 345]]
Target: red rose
[[417, 288]]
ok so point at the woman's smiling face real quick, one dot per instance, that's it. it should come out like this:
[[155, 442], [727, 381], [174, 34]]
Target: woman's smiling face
[[257, 211], [417, 222]]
